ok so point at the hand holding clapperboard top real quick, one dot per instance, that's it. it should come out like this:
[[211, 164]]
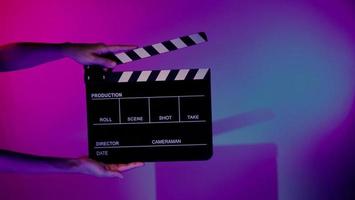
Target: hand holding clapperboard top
[[150, 116]]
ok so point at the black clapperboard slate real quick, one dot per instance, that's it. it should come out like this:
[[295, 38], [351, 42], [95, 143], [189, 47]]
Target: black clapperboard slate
[[149, 116]]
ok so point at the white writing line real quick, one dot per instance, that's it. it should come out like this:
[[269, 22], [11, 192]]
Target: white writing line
[[147, 97], [140, 146], [162, 122]]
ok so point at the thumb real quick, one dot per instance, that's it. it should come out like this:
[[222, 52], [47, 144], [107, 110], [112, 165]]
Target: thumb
[[125, 167], [97, 60], [98, 169], [111, 174], [118, 48], [115, 48]]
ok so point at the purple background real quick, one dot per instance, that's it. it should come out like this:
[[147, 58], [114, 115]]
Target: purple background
[[283, 96]]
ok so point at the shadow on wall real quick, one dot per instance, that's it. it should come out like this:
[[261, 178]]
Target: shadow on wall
[[234, 172], [241, 120], [243, 172]]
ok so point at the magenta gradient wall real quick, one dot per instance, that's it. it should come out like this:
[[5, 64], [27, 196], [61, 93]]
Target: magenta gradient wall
[[283, 96]]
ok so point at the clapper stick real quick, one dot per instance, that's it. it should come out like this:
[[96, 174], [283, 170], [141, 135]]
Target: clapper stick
[[160, 48], [145, 52], [157, 75]]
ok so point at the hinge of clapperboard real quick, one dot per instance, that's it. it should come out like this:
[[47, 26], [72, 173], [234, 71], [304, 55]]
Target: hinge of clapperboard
[[97, 72]]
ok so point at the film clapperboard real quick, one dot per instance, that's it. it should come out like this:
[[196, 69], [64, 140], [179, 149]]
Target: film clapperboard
[[153, 115]]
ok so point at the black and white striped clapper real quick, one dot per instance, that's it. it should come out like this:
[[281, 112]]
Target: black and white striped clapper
[[159, 48], [96, 73], [153, 115]]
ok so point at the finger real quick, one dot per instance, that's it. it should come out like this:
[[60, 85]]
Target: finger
[[108, 167], [103, 61], [107, 173], [115, 167], [139, 164], [118, 48], [100, 170], [95, 167], [115, 48], [125, 167], [112, 167], [113, 174]]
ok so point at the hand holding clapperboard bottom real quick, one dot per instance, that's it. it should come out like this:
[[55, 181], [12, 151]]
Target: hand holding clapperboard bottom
[[153, 115], [161, 110]]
